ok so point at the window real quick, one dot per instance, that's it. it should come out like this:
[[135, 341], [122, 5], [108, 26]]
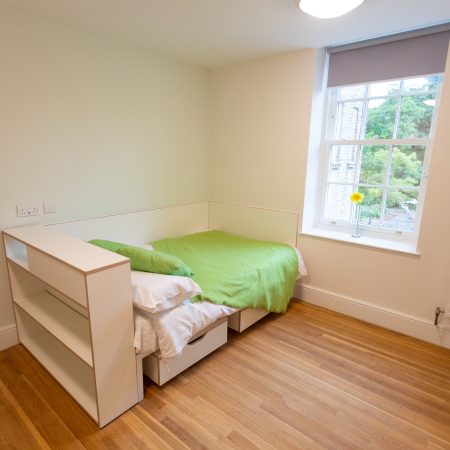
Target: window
[[377, 141], [374, 112]]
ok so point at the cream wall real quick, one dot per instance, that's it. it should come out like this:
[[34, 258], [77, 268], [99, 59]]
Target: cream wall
[[94, 125], [260, 116], [260, 136]]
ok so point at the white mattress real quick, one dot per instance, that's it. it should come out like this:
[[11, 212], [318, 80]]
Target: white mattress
[[171, 330]]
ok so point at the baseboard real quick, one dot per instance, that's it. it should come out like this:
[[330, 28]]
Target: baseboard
[[8, 337], [384, 317]]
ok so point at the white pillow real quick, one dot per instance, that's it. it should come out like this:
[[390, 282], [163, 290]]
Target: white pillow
[[154, 292]]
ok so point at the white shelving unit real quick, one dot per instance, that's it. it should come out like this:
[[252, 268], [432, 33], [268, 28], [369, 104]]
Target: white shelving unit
[[74, 313]]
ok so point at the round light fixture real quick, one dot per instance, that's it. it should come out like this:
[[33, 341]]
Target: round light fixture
[[327, 9]]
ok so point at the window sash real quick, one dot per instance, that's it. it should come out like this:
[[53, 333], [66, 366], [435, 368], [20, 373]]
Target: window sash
[[328, 143], [334, 102], [377, 229]]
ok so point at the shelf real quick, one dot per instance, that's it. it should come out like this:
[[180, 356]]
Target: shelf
[[20, 259], [16, 251], [73, 374], [65, 324]]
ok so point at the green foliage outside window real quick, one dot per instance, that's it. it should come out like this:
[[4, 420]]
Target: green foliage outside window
[[407, 160]]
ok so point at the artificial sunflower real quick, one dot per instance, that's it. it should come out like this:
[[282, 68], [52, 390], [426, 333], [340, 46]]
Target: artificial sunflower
[[357, 197]]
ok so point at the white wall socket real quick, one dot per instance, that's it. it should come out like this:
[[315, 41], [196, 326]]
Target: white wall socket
[[49, 207], [26, 211]]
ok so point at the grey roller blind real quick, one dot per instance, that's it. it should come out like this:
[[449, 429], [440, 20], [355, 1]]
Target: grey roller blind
[[380, 60]]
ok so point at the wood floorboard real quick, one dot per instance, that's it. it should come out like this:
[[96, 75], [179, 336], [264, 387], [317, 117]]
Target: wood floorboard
[[308, 379]]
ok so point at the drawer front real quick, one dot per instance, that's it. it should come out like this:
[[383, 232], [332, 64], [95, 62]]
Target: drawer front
[[241, 320], [162, 370]]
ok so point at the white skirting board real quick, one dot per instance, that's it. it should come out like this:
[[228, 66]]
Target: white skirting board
[[8, 337], [377, 315]]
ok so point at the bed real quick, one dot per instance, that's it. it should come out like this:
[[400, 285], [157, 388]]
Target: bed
[[74, 313], [236, 276]]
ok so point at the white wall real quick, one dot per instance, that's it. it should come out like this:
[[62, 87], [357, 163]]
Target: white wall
[[94, 125], [260, 132]]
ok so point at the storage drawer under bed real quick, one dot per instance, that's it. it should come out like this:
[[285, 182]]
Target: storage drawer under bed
[[241, 320], [206, 341]]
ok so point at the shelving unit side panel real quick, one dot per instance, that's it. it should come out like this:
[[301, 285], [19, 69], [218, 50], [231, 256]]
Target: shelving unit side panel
[[111, 315]]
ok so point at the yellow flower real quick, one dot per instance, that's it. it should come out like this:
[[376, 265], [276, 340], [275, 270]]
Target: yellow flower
[[357, 197]]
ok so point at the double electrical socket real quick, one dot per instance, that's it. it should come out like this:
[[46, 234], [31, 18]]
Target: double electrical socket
[[25, 211], [36, 209]]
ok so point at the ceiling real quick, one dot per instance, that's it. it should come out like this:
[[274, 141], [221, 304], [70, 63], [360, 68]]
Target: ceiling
[[214, 33]]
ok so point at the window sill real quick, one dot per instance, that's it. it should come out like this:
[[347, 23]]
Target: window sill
[[407, 247]]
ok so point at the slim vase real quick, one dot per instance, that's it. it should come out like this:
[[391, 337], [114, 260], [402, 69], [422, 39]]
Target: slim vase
[[356, 233]]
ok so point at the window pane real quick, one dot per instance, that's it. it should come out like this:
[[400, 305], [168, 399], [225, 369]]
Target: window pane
[[349, 118], [373, 164], [342, 163], [421, 84], [406, 165], [370, 207], [415, 116], [385, 88], [381, 118], [350, 92], [338, 205], [400, 213]]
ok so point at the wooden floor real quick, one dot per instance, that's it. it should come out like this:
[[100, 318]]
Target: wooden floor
[[309, 379]]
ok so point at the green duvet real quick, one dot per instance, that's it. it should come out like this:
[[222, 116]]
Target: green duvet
[[235, 271]]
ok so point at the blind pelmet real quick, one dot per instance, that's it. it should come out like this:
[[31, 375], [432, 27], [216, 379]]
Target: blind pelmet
[[408, 57]]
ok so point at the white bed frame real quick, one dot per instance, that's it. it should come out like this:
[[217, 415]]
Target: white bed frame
[[73, 305]]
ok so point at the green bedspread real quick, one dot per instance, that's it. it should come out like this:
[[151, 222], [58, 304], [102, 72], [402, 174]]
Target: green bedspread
[[235, 271]]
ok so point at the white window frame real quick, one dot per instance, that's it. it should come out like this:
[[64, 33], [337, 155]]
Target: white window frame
[[330, 109]]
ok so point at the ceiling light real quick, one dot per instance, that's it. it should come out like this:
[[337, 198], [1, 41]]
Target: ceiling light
[[327, 9]]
